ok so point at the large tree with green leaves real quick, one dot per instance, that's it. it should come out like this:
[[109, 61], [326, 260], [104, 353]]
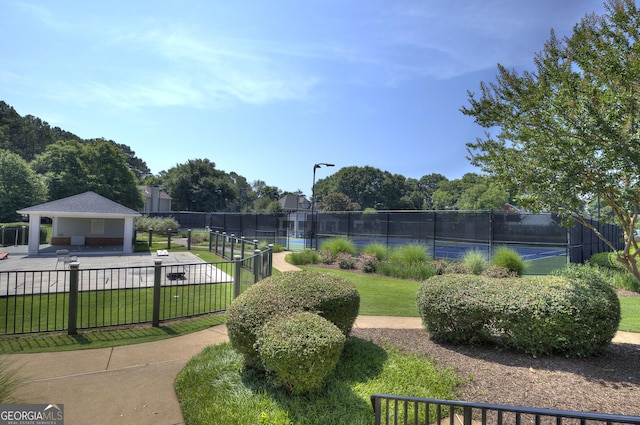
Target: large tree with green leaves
[[20, 186], [568, 132]]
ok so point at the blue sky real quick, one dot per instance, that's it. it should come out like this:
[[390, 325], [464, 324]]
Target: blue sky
[[268, 88]]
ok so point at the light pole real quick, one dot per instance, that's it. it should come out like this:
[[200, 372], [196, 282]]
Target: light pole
[[313, 200]]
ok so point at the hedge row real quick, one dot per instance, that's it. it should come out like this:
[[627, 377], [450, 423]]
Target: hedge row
[[574, 315]]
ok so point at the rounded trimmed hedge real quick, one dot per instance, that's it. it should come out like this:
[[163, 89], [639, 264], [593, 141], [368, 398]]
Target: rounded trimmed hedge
[[331, 297], [301, 349], [574, 315]]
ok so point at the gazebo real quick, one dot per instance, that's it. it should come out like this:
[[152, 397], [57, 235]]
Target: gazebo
[[84, 219]]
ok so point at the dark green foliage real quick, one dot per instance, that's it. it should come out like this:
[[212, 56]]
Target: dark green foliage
[[576, 314], [510, 259], [301, 349], [248, 313], [332, 297]]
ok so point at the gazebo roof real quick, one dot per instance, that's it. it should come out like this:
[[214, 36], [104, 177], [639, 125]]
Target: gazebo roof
[[87, 204]]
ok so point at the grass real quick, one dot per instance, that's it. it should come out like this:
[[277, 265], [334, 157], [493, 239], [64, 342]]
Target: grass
[[375, 299], [630, 307], [214, 387]]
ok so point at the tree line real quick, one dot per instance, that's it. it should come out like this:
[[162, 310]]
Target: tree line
[[40, 163]]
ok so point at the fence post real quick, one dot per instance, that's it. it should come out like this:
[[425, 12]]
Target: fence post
[[233, 239], [224, 244], [237, 267], [169, 240], [257, 257], [255, 244], [150, 238], [242, 241], [210, 239], [189, 240], [217, 240], [157, 278], [72, 324], [270, 267]]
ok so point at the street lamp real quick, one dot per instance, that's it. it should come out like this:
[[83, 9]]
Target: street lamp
[[313, 200]]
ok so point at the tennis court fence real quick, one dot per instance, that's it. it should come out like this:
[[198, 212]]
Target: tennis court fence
[[539, 238]]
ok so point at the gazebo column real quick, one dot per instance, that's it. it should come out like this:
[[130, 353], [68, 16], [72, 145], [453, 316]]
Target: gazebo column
[[34, 234], [127, 244]]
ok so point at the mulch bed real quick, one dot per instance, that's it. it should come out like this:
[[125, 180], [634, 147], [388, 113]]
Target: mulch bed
[[606, 384]]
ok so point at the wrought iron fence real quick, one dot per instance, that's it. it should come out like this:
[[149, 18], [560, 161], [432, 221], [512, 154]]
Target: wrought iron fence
[[72, 299], [391, 409]]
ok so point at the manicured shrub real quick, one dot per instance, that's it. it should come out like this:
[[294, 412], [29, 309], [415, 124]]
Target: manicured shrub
[[345, 261], [301, 350], [332, 297], [576, 314], [306, 256], [456, 267], [368, 262], [338, 245], [476, 261], [377, 249], [498, 272], [510, 259], [248, 313]]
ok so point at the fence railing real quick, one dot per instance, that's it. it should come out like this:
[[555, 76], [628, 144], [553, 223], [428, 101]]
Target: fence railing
[[391, 409], [72, 299]]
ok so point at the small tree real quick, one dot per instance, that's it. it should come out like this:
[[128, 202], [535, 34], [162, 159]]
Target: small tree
[[20, 186], [569, 132]]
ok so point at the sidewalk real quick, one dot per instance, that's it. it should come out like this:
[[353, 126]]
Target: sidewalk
[[134, 384]]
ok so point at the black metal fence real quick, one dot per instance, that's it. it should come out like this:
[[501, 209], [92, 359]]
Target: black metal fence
[[391, 409], [72, 299]]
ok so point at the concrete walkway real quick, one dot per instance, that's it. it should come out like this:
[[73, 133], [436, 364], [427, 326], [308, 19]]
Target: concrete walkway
[[134, 384]]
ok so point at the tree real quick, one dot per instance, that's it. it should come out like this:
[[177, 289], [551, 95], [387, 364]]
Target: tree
[[63, 168], [198, 186], [569, 132], [108, 174], [266, 197], [336, 201], [20, 186]]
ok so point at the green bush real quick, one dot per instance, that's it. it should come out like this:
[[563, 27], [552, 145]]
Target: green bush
[[476, 261], [248, 313], [301, 349], [409, 254], [332, 297], [306, 256], [368, 262], [158, 224], [377, 249], [608, 260], [510, 259], [498, 272], [338, 245], [576, 314], [345, 261]]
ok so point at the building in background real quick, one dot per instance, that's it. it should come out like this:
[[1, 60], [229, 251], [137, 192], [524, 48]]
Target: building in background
[[155, 199]]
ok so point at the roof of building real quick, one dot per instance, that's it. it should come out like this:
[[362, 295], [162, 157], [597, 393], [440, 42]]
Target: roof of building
[[87, 204], [292, 202], [148, 190]]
